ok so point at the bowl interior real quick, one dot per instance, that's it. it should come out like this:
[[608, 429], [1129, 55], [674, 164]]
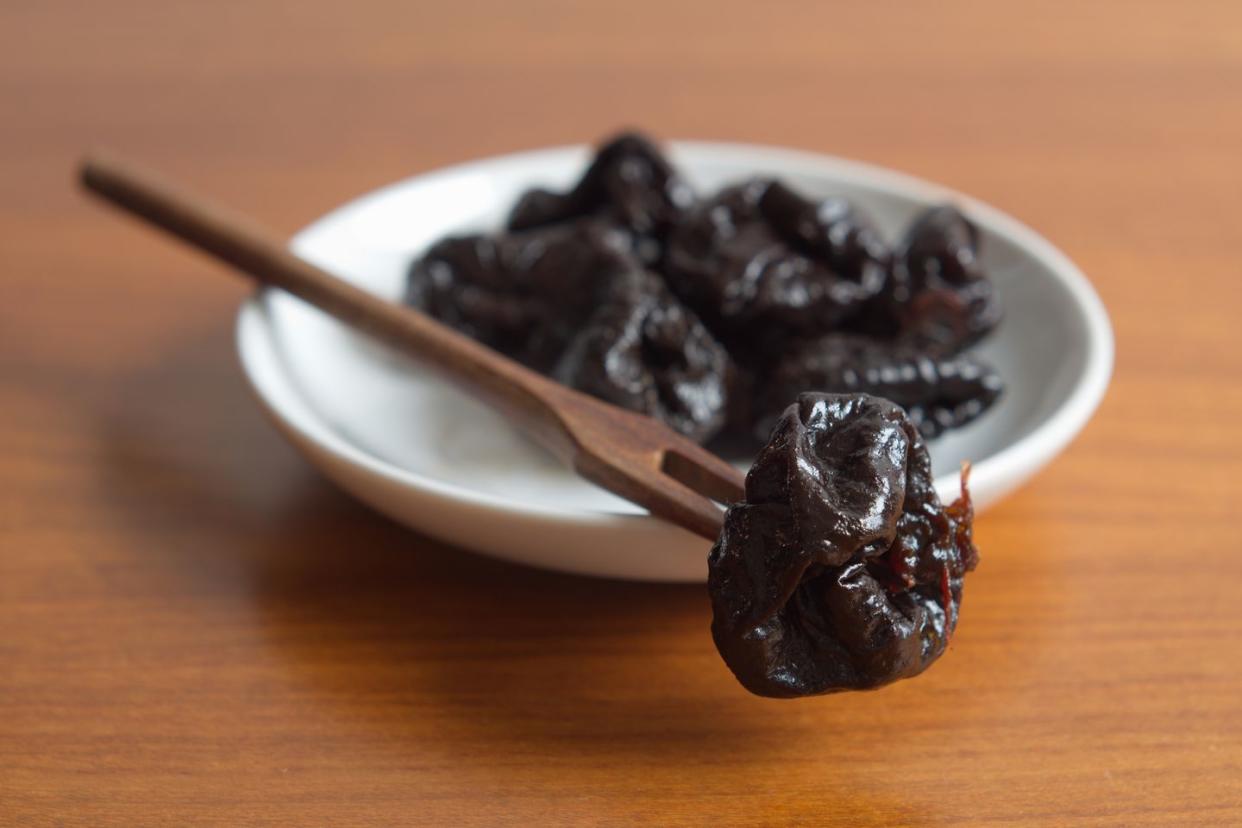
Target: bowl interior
[[374, 403]]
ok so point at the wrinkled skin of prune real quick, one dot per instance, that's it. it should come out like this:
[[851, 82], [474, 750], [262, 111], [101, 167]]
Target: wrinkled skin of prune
[[568, 301], [643, 350], [760, 263], [936, 288], [629, 184], [524, 294], [938, 392], [840, 570]]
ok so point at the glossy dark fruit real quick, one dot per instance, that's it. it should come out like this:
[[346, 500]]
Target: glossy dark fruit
[[938, 323], [569, 301], [936, 279], [937, 392], [841, 569], [524, 294], [629, 184], [761, 263], [643, 350], [756, 294]]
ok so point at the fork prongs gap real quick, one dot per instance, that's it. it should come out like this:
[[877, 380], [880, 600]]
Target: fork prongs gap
[[704, 472]]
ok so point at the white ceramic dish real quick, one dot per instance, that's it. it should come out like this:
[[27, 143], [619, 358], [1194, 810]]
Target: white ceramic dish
[[430, 458]]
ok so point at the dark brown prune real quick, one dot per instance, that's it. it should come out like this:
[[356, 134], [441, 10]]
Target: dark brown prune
[[937, 392], [760, 263], [840, 570], [937, 285], [629, 183], [938, 323], [568, 301], [645, 351], [524, 294]]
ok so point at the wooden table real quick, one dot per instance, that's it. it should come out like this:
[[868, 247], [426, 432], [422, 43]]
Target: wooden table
[[195, 628]]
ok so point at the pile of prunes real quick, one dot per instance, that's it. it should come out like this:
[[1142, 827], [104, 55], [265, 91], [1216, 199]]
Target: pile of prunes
[[758, 317], [713, 314]]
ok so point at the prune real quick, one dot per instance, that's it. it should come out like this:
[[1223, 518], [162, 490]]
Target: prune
[[936, 283], [499, 289], [645, 351], [938, 393], [629, 184], [938, 323], [524, 294], [840, 570], [568, 301], [760, 263]]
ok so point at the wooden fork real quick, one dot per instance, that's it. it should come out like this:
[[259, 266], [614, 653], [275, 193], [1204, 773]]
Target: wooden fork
[[628, 454]]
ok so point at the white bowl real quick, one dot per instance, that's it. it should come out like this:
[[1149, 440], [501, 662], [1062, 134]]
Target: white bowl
[[438, 462]]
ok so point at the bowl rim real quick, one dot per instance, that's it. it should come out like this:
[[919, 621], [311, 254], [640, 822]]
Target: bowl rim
[[1031, 451]]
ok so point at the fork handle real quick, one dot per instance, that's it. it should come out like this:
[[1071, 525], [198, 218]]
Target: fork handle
[[518, 392]]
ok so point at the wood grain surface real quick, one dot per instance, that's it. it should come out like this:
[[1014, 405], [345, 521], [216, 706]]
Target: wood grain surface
[[195, 628]]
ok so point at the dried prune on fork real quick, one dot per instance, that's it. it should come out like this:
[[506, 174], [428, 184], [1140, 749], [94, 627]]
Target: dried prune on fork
[[937, 392], [629, 184], [645, 351], [841, 569], [761, 263]]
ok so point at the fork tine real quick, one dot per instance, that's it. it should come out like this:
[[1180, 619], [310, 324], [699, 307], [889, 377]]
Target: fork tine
[[703, 471], [676, 502], [650, 487]]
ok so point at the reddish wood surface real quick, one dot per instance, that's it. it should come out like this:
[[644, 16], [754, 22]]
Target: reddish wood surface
[[194, 628]]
